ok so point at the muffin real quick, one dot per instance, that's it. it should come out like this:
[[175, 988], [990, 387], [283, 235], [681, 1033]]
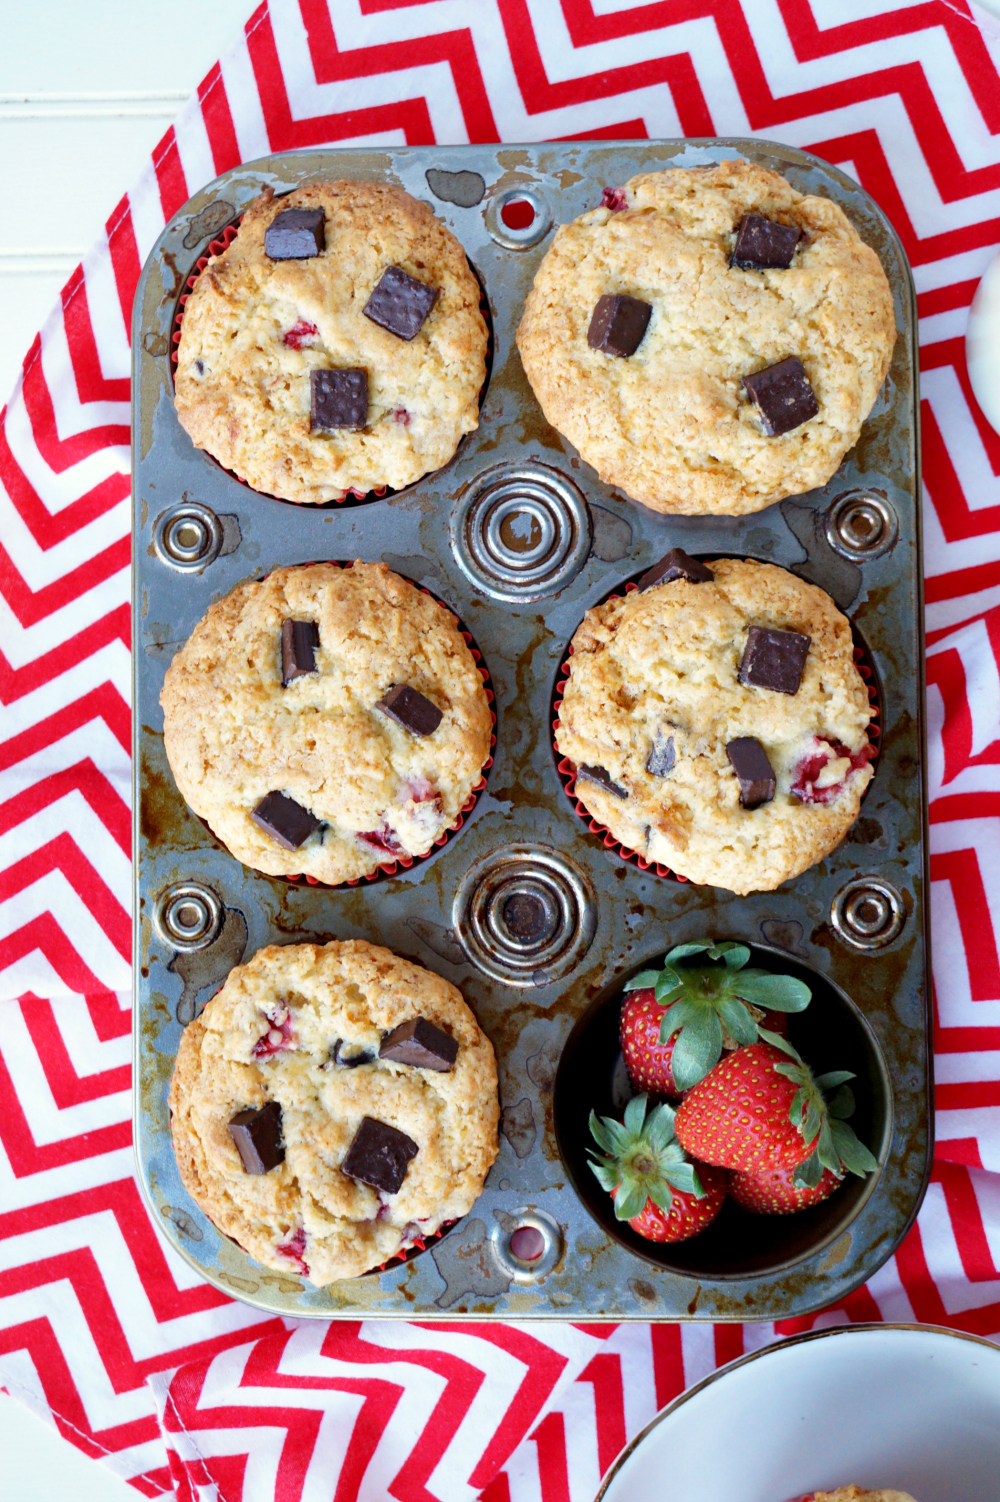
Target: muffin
[[332, 1106], [326, 721], [717, 722], [712, 340], [336, 344], [856, 1494]]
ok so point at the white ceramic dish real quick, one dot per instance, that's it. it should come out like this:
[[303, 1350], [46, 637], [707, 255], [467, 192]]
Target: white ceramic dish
[[907, 1406]]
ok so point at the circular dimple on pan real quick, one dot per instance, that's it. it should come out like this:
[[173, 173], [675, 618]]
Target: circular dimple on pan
[[188, 916], [518, 218], [526, 1245], [521, 532], [188, 537], [525, 916], [860, 525], [868, 913]]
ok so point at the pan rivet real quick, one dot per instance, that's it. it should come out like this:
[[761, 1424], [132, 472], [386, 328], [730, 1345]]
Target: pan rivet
[[521, 532], [526, 1245], [188, 916], [188, 537], [868, 913], [861, 525], [518, 218], [526, 916]]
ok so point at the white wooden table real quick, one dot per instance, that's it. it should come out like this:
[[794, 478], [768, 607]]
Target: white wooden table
[[86, 91]]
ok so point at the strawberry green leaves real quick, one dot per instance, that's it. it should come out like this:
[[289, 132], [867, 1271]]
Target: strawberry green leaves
[[715, 1004], [819, 1110], [641, 1158]]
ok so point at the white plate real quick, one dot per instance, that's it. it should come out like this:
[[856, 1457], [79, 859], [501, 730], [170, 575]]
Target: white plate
[[907, 1406]]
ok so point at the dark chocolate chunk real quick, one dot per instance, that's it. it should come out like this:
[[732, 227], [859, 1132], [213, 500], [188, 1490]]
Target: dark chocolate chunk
[[421, 1044], [296, 235], [351, 1060], [618, 324], [782, 395], [257, 1134], [287, 822], [774, 659], [763, 243], [660, 761], [379, 1155], [676, 565], [754, 771], [339, 399], [602, 777], [400, 303], [409, 708], [299, 641]]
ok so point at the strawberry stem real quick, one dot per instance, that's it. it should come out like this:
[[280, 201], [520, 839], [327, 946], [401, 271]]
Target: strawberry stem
[[641, 1159], [819, 1110], [716, 1004]]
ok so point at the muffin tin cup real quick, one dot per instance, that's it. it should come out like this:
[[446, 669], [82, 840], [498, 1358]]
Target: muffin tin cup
[[520, 538], [352, 495], [568, 772], [830, 1034]]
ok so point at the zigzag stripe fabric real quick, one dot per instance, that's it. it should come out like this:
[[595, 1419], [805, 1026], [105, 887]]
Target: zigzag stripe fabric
[[103, 1331]]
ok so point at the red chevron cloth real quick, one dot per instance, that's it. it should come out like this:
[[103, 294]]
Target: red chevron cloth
[[103, 1330]]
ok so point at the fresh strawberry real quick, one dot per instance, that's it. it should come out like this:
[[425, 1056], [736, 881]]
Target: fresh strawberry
[[774, 1192], [687, 1214], [703, 1008], [739, 1115], [662, 1195], [646, 1058], [761, 1109]]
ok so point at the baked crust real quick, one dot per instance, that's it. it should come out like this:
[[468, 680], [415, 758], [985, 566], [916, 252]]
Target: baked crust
[[858, 1494], [671, 425], [243, 394], [666, 660], [355, 992], [233, 733]]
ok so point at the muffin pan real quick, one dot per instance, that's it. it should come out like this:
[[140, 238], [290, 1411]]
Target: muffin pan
[[525, 908]]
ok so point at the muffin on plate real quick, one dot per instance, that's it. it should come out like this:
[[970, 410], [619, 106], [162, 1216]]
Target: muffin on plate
[[332, 1106], [710, 340], [336, 344], [325, 721], [717, 721], [855, 1494]]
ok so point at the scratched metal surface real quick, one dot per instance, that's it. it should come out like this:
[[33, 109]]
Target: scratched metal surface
[[637, 914]]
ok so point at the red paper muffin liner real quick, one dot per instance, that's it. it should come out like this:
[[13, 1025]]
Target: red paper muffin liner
[[353, 495], [567, 768], [405, 1253], [389, 868], [413, 1249]]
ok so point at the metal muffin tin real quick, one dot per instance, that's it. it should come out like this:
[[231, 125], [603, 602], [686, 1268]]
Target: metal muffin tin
[[519, 537]]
